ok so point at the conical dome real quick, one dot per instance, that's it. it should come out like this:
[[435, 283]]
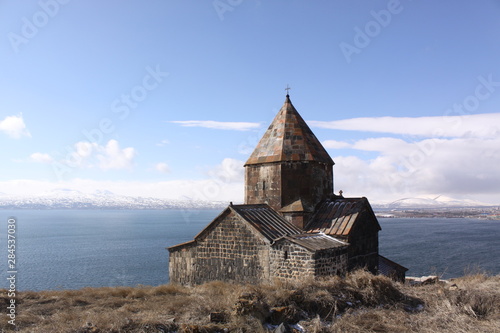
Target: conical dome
[[288, 138]]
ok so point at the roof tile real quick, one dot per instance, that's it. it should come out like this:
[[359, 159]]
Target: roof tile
[[336, 217], [266, 220], [315, 241]]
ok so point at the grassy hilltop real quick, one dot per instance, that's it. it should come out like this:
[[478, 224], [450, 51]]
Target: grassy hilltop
[[359, 302]]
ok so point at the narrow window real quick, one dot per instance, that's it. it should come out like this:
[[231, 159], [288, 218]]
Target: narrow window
[[263, 185], [285, 255]]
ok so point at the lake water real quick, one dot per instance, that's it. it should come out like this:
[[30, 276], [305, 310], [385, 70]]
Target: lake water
[[70, 249]]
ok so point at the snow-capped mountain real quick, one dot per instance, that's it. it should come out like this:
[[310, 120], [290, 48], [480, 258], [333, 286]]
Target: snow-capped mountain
[[100, 199], [65, 198], [430, 202]]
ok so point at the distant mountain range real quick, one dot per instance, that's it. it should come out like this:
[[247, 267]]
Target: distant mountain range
[[71, 199], [103, 199], [425, 202]]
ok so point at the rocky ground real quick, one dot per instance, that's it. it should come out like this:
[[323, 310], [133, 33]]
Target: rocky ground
[[359, 302]]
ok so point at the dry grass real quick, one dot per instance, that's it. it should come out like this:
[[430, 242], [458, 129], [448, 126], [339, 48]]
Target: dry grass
[[359, 302]]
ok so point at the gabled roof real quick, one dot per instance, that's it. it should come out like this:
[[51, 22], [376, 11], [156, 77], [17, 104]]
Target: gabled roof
[[261, 217], [337, 216], [288, 138], [315, 241], [266, 220]]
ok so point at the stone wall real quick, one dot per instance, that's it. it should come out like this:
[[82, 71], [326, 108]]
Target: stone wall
[[280, 184], [263, 184], [182, 264], [290, 261], [227, 250], [331, 262], [309, 181]]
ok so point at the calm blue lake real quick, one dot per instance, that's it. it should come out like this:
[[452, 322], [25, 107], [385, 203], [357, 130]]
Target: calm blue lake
[[70, 249]]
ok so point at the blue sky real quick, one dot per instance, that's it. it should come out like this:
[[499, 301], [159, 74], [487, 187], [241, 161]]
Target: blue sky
[[168, 98]]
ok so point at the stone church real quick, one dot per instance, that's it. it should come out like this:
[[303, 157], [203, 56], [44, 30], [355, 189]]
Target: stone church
[[292, 225]]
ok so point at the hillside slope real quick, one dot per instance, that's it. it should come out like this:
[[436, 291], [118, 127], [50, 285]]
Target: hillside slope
[[359, 302]]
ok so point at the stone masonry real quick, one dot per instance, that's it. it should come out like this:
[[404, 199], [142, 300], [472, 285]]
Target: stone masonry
[[230, 251]]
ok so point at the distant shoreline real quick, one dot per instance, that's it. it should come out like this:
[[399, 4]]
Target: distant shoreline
[[483, 213]]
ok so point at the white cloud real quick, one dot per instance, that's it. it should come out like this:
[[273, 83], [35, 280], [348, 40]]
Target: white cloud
[[229, 171], [235, 126], [452, 156], [466, 167], [163, 143], [14, 127], [333, 144], [85, 148], [479, 125], [162, 167], [110, 156], [206, 189], [41, 158], [113, 157], [387, 145]]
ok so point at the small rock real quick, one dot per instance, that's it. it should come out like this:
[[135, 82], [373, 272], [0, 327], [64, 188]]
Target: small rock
[[417, 308], [424, 280], [430, 279], [280, 329]]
